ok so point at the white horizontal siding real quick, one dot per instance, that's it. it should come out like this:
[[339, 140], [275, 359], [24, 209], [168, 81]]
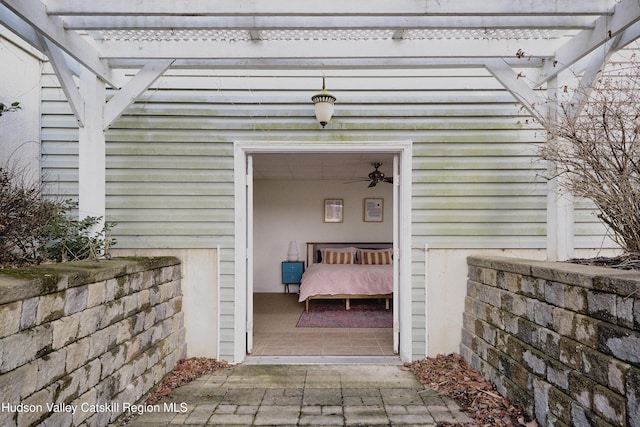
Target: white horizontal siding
[[476, 180]]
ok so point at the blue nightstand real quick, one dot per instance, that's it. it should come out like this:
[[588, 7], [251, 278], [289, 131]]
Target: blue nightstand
[[292, 273]]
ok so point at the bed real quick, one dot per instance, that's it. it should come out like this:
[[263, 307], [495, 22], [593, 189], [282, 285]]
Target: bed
[[348, 271]]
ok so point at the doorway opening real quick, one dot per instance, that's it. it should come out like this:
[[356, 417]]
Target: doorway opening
[[284, 187]]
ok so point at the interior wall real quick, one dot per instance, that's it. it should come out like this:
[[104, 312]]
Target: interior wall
[[293, 210]]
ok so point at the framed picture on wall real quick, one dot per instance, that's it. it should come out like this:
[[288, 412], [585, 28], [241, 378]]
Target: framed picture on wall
[[373, 210], [333, 210]]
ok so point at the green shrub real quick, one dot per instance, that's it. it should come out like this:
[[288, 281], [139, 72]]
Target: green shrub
[[34, 229], [70, 239]]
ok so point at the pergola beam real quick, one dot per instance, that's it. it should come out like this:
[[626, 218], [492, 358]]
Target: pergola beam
[[34, 13], [325, 63], [297, 22], [626, 13], [337, 7], [132, 90], [65, 77], [316, 49], [533, 103]]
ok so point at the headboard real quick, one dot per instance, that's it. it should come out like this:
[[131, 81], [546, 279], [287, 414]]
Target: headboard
[[313, 248]]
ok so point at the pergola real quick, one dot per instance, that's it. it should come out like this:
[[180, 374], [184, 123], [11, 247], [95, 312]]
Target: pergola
[[502, 35], [96, 41]]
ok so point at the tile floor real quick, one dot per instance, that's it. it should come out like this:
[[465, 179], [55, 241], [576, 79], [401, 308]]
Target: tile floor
[[275, 333]]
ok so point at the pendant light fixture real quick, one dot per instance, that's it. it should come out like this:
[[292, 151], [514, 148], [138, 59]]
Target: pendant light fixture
[[323, 102]]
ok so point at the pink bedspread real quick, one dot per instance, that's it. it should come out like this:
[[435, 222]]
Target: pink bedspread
[[353, 279]]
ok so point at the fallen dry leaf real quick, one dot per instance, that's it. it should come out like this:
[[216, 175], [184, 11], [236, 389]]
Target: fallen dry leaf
[[452, 376]]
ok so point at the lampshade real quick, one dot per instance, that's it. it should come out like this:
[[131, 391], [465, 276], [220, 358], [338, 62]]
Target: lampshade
[[324, 105], [292, 253]]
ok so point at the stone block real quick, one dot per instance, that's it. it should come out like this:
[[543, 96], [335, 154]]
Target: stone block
[[473, 289], [50, 307], [575, 299], [490, 295], [560, 404], [25, 346], [558, 374], [91, 320], [633, 397], [75, 299], [624, 312], [533, 287], [143, 299], [528, 332], [96, 294], [65, 330], [155, 296], [512, 282], [617, 375], [51, 368], [581, 389], [100, 342], [564, 322], [554, 293], [549, 343], [595, 365], [601, 306], [10, 314], [570, 353], [473, 273], [18, 383], [514, 303], [541, 400], [583, 417], [136, 281], [77, 354], [515, 348], [28, 418], [586, 330], [609, 406], [535, 362], [619, 342], [542, 314], [29, 315], [129, 305], [113, 312]]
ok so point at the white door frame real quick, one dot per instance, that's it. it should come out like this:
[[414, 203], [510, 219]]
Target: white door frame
[[243, 213]]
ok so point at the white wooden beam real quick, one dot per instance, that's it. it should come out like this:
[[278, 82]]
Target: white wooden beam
[[597, 62], [626, 13], [518, 88], [338, 7], [132, 90], [92, 151], [560, 202], [325, 63], [23, 30], [248, 50], [322, 22], [34, 13], [65, 77]]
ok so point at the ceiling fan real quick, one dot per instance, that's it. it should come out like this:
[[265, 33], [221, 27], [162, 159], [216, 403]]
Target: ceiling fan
[[375, 176]]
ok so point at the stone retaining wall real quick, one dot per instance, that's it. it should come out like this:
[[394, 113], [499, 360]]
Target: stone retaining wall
[[79, 342], [561, 339]]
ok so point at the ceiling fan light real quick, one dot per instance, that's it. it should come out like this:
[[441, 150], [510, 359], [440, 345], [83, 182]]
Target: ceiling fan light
[[323, 103]]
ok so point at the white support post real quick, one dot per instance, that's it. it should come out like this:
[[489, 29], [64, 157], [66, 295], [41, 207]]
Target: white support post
[[92, 157], [560, 219]]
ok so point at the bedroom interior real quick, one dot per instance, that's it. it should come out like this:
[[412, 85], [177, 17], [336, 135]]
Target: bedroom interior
[[289, 193]]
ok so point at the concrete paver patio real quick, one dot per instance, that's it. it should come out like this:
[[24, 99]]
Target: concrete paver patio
[[305, 395]]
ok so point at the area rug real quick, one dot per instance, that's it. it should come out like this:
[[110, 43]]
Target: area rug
[[333, 314]]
